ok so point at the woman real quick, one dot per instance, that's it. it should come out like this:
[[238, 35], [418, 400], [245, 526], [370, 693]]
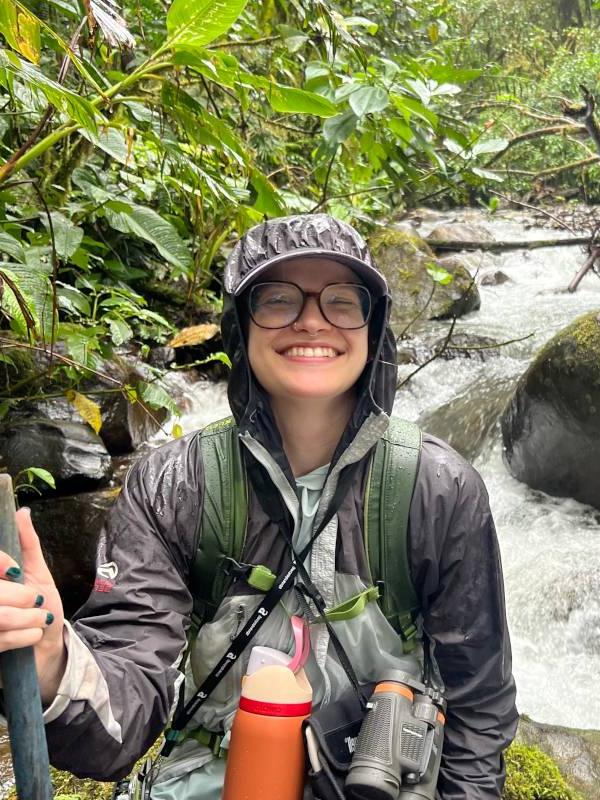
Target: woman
[[311, 389]]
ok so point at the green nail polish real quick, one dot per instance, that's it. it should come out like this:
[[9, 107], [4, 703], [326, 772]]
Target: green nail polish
[[14, 573], [49, 618], [39, 601]]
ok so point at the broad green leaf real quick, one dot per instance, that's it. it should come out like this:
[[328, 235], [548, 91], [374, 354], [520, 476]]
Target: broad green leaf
[[488, 175], [439, 274], [338, 129], [444, 72], [42, 474], [86, 408], [120, 331], [410, 106], [156, 396], [11, 246], [267, 200], [289, 100], [196, 23], [490, 146], [457, 149], [147, 224], [112, 141], [69, 7], [67, 235], [368, 100], [72, 300], [400, 129], [21, 29], [70, 103], [362, 22]]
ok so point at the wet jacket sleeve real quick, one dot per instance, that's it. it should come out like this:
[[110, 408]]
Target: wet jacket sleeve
[[126, 642], [456, 569]]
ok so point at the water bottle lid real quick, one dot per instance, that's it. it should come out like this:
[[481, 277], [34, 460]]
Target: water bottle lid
[[266, 709]]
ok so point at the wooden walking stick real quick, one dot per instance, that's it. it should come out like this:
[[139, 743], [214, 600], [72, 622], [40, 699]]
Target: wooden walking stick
[[22, 703]]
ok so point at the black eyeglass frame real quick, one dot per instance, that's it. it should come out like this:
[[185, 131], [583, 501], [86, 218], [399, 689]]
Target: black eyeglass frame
[[305, 296]]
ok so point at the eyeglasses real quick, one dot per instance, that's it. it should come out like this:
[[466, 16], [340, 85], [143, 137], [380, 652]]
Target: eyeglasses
[[277, 304]]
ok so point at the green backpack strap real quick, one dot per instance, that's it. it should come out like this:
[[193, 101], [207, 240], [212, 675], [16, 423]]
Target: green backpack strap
[[388, 495], [222, 529]]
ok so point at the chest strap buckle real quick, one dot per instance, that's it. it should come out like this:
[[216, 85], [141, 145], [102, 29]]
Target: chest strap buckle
[[256, 575]]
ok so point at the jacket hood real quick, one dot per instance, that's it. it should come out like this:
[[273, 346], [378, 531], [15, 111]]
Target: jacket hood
[[283, 239]]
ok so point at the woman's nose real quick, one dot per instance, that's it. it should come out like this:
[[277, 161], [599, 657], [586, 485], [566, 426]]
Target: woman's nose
[[311, 319]]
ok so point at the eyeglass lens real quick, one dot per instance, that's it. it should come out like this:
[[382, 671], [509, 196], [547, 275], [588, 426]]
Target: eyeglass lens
[[279, 304]]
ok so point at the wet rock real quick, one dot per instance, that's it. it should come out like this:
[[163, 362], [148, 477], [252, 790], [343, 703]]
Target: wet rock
[[467, 345], [404, 258], [576, 752], [71, 451], [69, 528], [551, 427], [461, 295], [461, 232], [161, 357], [494, 278], [468, 421], [126, 424]]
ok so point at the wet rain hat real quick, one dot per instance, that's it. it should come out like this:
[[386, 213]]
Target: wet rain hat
[[301, 235]]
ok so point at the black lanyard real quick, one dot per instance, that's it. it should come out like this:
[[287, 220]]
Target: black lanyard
[[259, 617]]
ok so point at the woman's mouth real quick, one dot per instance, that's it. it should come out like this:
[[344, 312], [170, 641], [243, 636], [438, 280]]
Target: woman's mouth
[[310, 352]]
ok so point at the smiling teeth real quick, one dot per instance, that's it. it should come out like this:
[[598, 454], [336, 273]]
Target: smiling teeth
[[311, 352]]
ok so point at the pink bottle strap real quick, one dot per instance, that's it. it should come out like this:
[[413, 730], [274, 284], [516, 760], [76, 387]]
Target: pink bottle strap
[[301, 643]]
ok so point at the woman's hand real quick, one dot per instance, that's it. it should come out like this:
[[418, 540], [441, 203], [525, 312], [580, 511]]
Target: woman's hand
[[31, 613]]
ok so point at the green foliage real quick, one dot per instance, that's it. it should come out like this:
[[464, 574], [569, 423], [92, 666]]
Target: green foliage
[[532, 775], [128, 171]]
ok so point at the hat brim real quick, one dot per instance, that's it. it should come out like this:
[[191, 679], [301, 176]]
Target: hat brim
[[372, 279]]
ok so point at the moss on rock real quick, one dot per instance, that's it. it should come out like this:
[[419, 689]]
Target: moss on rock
[[405, 259], [533, 775], [576, 347]]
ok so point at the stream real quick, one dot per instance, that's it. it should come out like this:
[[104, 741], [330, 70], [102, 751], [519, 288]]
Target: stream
[[550, 546]]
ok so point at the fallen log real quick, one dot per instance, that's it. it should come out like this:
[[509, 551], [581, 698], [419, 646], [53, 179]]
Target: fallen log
[[570, 241]]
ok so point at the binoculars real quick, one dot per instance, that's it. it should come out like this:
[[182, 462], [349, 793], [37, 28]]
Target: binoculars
[[399, 748]]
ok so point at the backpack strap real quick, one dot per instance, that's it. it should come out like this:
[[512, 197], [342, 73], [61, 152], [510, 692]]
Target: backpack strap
[[222, 525], [388, 495]]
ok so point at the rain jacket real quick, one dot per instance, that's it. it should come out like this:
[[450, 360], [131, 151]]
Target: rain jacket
[[126, 644]]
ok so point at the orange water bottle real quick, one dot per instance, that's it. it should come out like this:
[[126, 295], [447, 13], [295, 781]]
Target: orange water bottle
[[266, 758]]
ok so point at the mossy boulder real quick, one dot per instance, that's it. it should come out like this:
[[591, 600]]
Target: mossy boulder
[[407, 262], [576, 753], [532, 775], [551, 426]]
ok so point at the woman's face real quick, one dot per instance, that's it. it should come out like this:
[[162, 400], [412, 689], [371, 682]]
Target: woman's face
[[311, 358]]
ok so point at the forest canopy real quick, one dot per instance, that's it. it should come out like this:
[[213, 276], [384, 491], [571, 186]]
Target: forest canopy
[[137, 141]]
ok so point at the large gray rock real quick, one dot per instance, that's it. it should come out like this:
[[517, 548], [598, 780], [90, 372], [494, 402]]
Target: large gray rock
[[551, 427], [468, 421], [461, 232], [404, 258], [576, 752], [71, 451], [69, 528]]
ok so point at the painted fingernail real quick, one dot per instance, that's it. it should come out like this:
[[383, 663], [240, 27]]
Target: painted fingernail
[[39, 601], [49, 618], [13, 573]]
